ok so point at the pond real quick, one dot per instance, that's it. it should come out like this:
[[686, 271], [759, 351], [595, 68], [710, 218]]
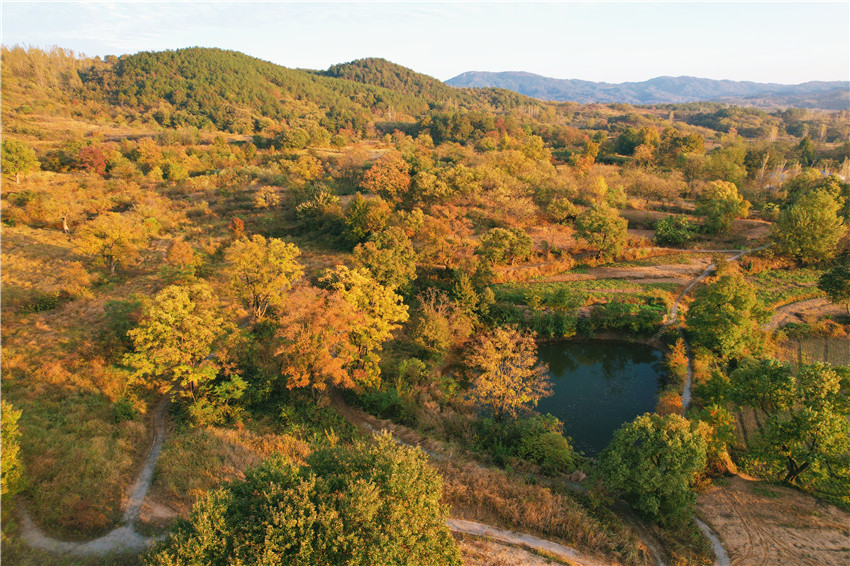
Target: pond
[[599, 385]]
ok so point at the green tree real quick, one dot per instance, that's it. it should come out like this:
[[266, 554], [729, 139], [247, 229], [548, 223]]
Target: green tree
[[17, 158], [673, 231], [389, 256], [375, 504], [653, 463], [720, 203], [603, 228], [836, 284], [381, 312], [365, 216], [261, 271], [725, 317], [174, 340], [507, 374], [807, 428], [810, 229], [11, 467], [501, 246]]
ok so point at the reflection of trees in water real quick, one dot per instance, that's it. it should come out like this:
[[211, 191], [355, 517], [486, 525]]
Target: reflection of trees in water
[[612, 358]]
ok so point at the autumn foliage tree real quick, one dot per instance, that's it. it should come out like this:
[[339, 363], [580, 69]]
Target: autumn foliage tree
[[113, 238], [507, 374], [174, 339], [388, 177], [314, 333], [261, 271], [380, 311]]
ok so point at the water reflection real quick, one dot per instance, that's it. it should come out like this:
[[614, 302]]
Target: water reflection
[[598, 386]]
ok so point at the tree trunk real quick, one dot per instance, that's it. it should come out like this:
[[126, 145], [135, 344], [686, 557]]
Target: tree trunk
[[794, 471]]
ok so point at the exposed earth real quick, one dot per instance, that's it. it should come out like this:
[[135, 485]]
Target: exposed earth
[[768, 524]]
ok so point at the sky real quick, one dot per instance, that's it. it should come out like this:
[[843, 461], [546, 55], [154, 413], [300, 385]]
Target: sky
[[782, 42]]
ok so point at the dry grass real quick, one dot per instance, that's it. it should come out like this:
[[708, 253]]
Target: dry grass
[[496, 498], [196, 460]]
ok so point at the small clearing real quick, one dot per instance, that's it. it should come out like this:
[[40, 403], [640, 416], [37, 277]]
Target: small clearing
[[761, 523]]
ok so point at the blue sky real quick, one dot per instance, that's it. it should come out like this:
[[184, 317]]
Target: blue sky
[[785, 42]]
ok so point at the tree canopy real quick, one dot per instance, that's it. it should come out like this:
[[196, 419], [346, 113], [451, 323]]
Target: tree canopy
[[370, 504], [261, 271], [810, 229], [507, 374], [725, 317], [653, 462], [807, 429]]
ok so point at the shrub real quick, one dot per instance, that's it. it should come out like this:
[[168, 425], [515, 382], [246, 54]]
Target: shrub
[[673, 231]]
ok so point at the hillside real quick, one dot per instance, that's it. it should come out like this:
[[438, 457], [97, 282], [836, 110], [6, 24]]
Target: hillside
[[661, 90], [389, 75]]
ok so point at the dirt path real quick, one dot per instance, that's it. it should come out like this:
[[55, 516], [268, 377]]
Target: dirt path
[[673, 315], [509, 537], [795, 312], [123, 538]]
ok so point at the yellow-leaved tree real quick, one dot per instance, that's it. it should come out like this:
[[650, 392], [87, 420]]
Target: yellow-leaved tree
[[508, 375], [262, 271]]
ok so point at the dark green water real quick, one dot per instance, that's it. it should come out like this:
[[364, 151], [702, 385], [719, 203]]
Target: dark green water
[[599, 385]]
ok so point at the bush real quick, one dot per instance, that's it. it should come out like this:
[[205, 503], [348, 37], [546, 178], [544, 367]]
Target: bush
[[337, 510], [538, 439], [673, 231]]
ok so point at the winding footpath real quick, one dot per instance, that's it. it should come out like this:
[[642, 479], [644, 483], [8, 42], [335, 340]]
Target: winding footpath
[[673, 315], [123, 538]]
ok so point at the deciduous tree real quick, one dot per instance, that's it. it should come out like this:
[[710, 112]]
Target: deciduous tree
[[17, 158], [362, 505], [810, 229], [807, 428], [725, 317], [113, 238], [720, 203], [653, 463], [314, 335], [389, 256], [507, 374], [261, 271], [388, 177], [603, 228], [836, 284], [175, 337], [381, 311]]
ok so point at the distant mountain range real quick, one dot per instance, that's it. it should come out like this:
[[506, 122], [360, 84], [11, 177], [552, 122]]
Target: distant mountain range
[[833, 95]]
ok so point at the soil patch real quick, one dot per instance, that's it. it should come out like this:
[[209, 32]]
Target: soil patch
[[767, 524]]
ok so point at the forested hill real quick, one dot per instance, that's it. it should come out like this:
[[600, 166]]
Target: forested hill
[[662, 90], [232, 91], [386, 74]]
